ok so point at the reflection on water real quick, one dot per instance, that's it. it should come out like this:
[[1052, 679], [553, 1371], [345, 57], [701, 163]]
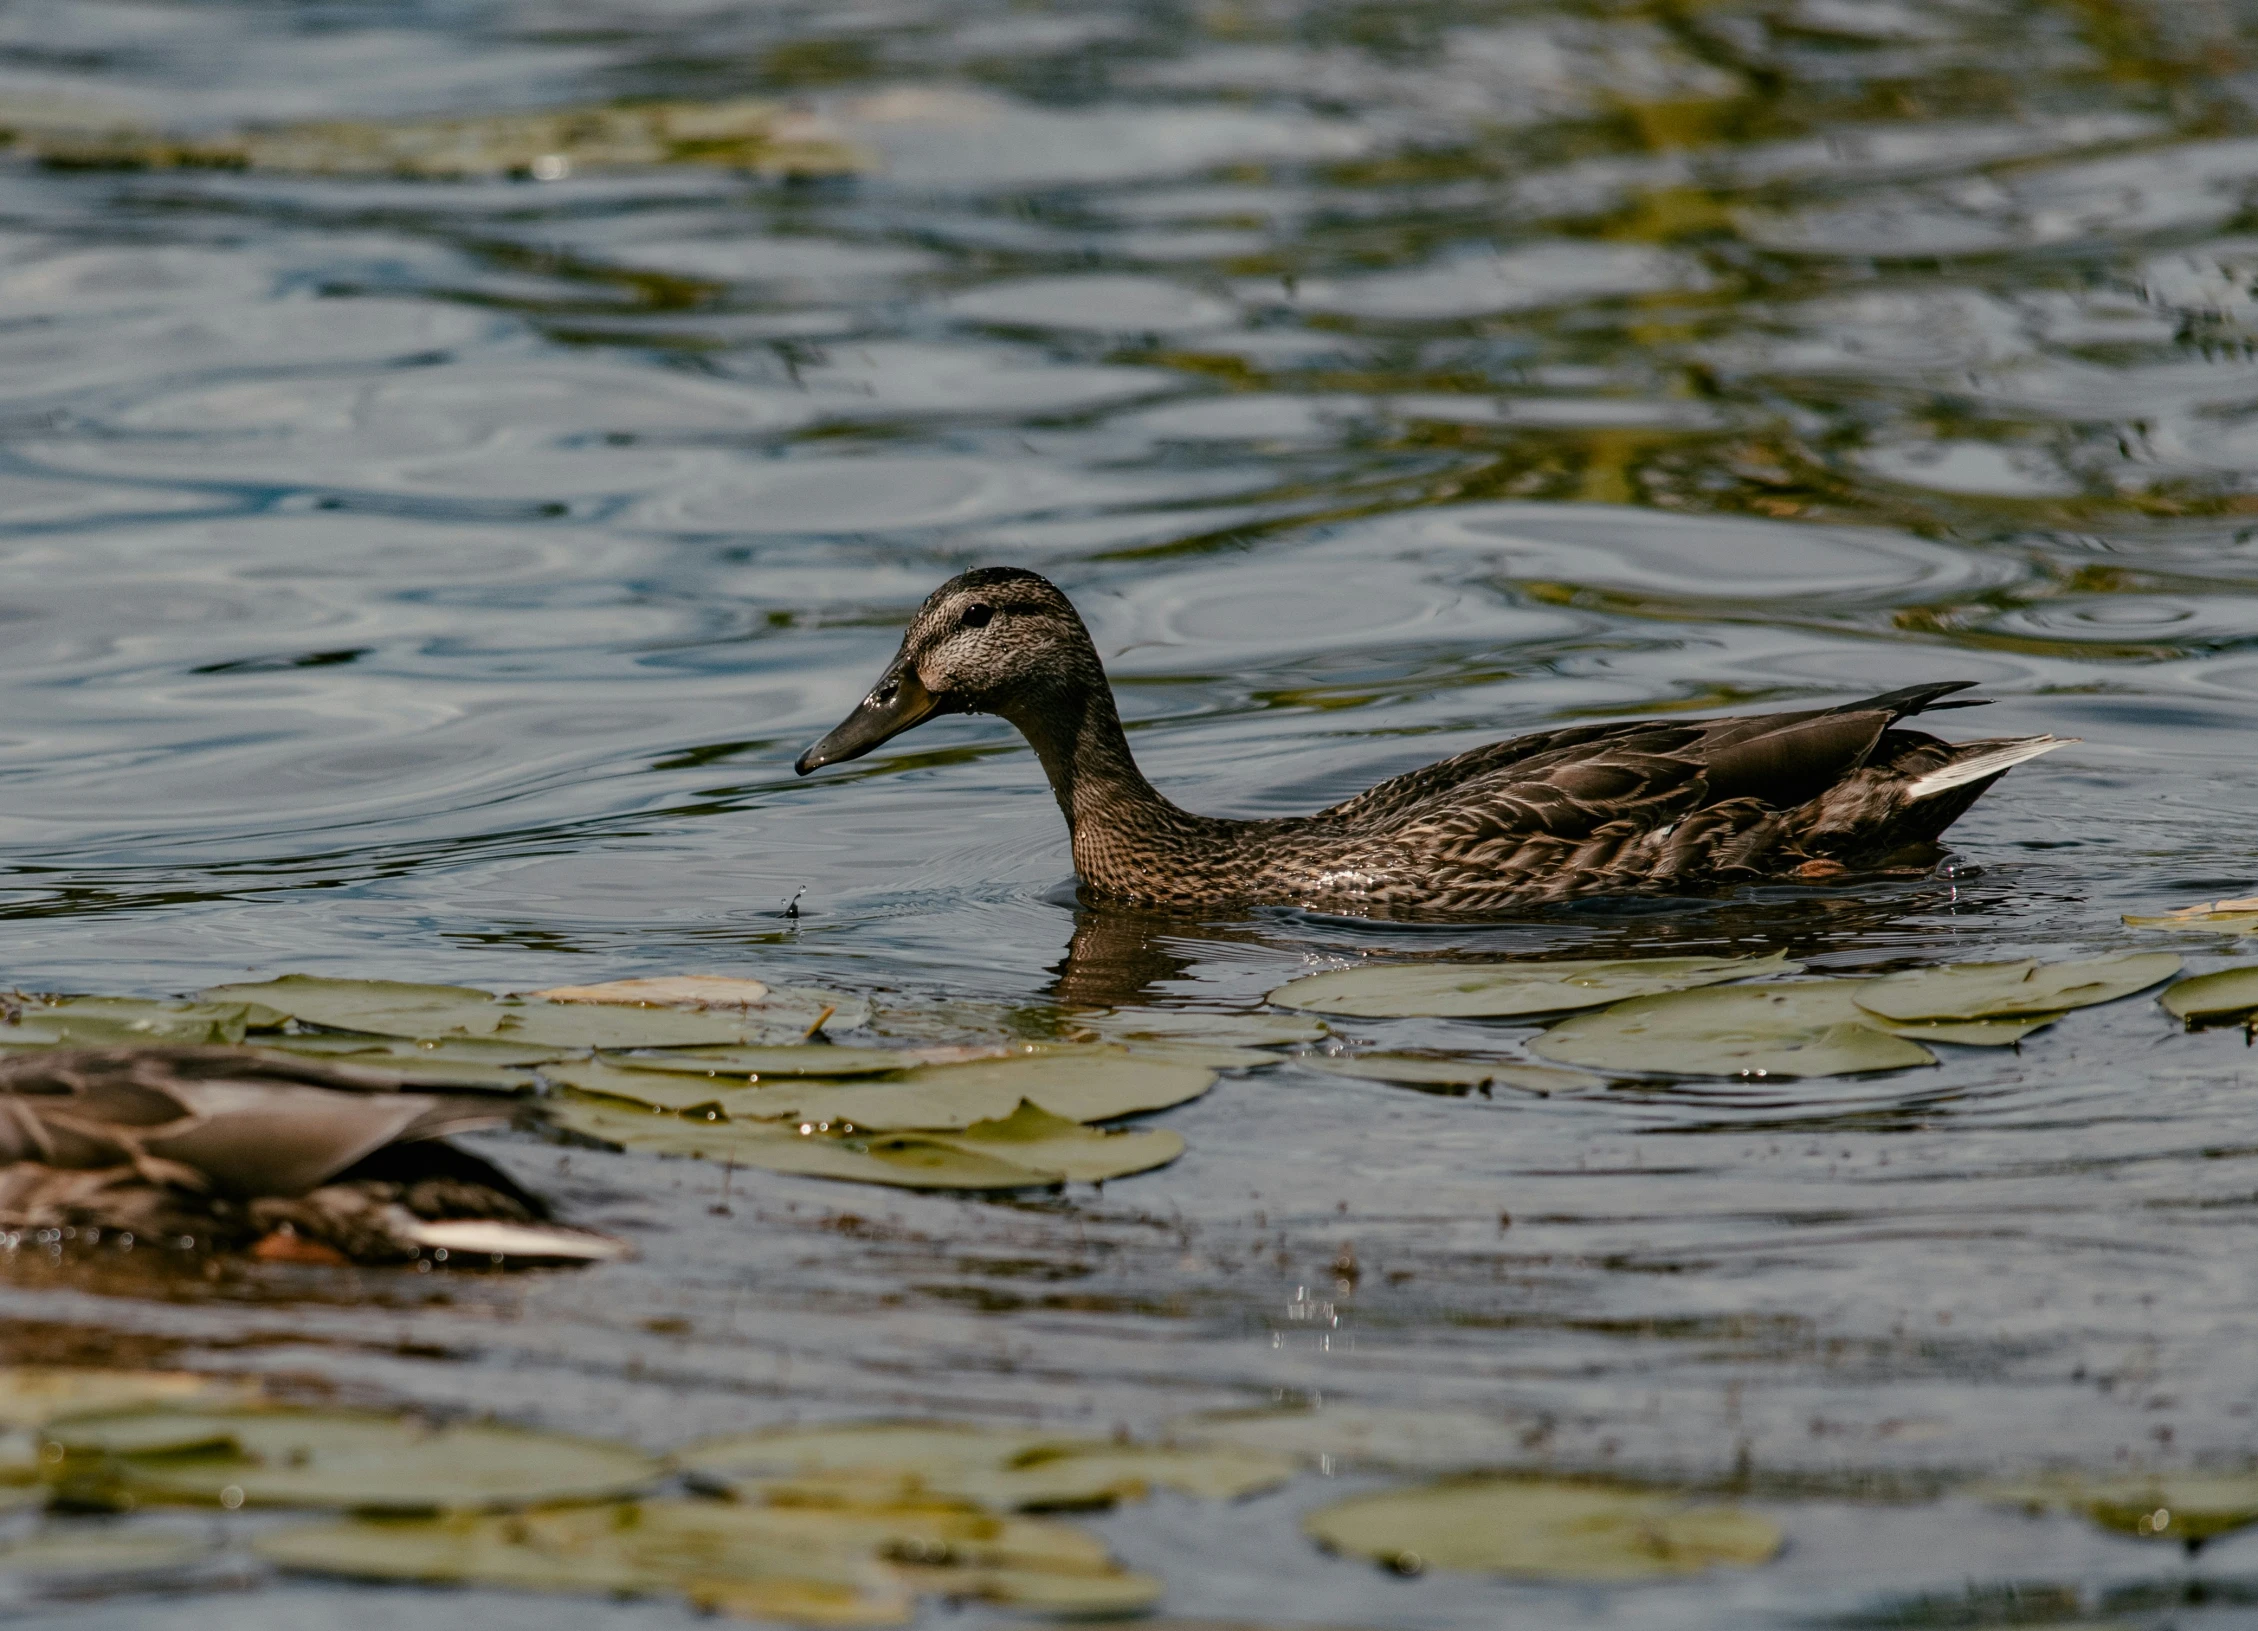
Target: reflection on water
[[437, 581]]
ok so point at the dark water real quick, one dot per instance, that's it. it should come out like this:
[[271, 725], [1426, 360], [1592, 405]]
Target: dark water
[[437, 580]]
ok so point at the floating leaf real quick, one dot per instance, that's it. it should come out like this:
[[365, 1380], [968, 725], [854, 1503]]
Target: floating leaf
[[2206, 999], [1544, 1529], [1464, 1074], [1032, 1137], [1506, 990], [1199, 1025], [1366, 1435], [838, 1564], [1026, 1149], [1965, 991], [404, 1009], [102, 1022], [673, 990], [1794, 1028], [1081, 1084], [387, 1052], [341, 1459], [74, 1561], [717, 1555], [31, 1395], [386, 1007], [2217, 916], [888, 1105], [999, 1468], [2190, 1507], [1971, 1033], [743, 1064]]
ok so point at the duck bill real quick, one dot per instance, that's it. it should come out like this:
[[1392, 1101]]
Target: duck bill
[[905, 702]]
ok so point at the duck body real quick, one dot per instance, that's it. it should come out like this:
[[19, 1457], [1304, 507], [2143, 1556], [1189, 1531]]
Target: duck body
[[1652, 806], [235, 1148]]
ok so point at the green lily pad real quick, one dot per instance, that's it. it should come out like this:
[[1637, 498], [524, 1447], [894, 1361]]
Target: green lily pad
[[1969, 1033], [2189, 1507], [834, 1564], [886, 1105], [102, 1022], [1430, 1071], [1023, 1150], [1792, 1028], [426, 1012], [70, 1560], [1977, 991], [741, 1064], [1002, 1469], [31, 1395], [1508, 990], [1080, 1084], [2216, 916], [2229, 993], [341, 1459], [385, 1052], [1544, 1529]]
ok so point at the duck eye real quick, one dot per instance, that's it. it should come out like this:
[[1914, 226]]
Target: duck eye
[[976, 616]]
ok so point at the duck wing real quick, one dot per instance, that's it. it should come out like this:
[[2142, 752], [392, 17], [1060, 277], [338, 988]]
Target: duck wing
[[1570, 781]]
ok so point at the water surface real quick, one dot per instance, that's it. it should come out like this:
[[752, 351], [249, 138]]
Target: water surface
[[437, 580]]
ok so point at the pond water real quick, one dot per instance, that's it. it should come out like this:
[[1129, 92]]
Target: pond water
[[435, 580]]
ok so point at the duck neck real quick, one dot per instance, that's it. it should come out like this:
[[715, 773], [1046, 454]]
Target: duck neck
[[1116, 817]]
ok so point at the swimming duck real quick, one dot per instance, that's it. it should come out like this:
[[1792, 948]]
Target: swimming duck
[[239, 1147], [1637, 806]]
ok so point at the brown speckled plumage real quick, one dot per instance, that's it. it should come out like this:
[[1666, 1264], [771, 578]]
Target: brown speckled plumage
[[1640, 806]]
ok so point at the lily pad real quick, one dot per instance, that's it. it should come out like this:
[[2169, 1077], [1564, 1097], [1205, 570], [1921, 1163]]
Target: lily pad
[[388, 1052], [2217, 916], [1024, 1150], [1968, 1033], [1431, 1071], [101, 1022], [828, 1564], [2190, 1507], [999, 1468], [423, 1012], [1544, 1529], [1976, 991], [341, 1459], [860, 1105], [752, 1064], [70, 1560], [1792, 1028], [2228, 993], [31, 1395], [1508, 990], [717, 1555], [1080, 1084], [667, 991]]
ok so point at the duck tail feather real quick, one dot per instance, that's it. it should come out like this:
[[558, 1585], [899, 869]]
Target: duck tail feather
[[1992, 761], [1915, 699]]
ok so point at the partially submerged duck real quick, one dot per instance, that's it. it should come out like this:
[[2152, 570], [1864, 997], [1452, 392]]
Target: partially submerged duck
[[1638, 806], [236, 1148]]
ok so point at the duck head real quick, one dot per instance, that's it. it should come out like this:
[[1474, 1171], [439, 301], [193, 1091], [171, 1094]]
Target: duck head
[[995, 640]]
